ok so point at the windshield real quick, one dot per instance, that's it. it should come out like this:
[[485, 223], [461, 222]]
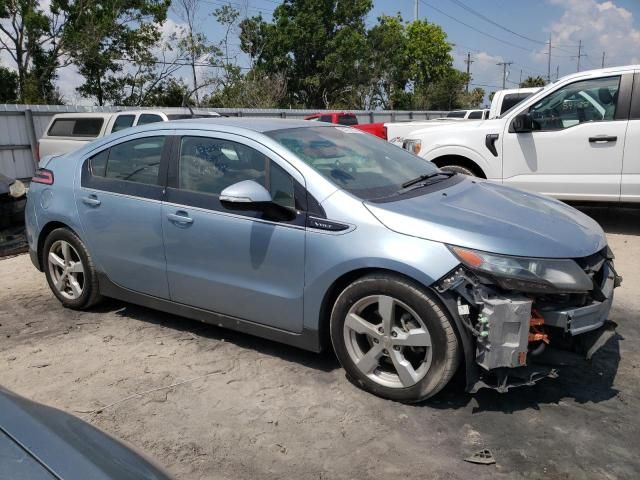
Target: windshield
[[363, 165]]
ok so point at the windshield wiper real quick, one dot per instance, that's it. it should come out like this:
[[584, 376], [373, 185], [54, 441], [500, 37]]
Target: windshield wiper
[[426, 176]]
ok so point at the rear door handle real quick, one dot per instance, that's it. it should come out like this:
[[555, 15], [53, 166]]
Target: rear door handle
[[180, 217], [603, 139], [91, 200]]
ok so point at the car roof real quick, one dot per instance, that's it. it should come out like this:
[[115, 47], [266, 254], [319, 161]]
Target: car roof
[[84, 115], [248, 123]]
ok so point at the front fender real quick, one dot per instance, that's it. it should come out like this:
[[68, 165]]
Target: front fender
[[330, 258]]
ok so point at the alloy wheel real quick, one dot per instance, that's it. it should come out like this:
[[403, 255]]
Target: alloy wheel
[[387, 341], [66, 269]]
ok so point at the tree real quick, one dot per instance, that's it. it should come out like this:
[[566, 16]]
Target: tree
[[193, 42], [253, 90], [444, 94], [472, 99], [530, 81], [428, 52], [389, 74], [316, 44], [169, 93], [8, 85], [98, 36], [24, 37]]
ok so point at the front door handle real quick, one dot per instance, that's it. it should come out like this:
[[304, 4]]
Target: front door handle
[[180, 217], [603, 139], [91, 200]]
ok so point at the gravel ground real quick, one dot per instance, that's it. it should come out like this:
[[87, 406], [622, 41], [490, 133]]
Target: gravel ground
[[213, 404]]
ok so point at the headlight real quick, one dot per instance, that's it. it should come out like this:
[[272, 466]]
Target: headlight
[[542, 275], [413, 146]]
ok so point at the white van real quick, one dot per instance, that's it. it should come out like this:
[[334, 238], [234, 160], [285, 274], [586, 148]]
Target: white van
[[69, 131]]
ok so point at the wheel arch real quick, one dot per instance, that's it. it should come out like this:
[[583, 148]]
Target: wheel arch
[[453, 159], [44, 233], [344, 280]]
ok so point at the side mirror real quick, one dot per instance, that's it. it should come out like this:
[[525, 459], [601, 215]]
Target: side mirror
[[522, 123], [245, 194]]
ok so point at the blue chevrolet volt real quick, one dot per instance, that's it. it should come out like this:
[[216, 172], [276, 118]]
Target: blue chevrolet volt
[[311, 235]]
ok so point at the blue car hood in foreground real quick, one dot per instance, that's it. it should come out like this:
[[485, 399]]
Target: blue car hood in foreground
[[494, 218], [64, 445]]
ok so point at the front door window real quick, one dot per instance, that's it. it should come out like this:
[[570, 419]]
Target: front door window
[[592, 100]]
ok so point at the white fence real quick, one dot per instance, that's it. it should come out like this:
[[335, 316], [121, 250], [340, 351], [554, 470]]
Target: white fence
[[22, 125]]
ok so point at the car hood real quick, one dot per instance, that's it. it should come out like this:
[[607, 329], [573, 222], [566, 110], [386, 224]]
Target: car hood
[[491, 217], [68, 446], [442, 129]]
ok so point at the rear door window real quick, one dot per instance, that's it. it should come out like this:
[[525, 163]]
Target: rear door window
[[134, 161], [76, 127], [326, 118], [475, 115]]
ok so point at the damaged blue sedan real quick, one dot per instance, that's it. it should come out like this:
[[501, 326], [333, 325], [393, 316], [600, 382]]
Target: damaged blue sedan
[[311, 235]]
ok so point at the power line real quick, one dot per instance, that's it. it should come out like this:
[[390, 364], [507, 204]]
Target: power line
[[474, 28], [486, 19]]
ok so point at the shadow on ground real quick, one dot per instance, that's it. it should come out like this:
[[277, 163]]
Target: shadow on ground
[[583, 381], [621, 220], [325, 361]]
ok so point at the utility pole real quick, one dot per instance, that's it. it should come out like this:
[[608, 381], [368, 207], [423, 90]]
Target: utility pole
[[504, 72], [468, 61], [549, 62], [580, 54], [603, 54], [415, 10]]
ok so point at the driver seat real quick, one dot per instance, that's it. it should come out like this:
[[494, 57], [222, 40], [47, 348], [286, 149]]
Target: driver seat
[[608, 101]]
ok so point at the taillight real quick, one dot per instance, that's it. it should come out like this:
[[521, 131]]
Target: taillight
[[37, 152], [384, 132], [44, 176]]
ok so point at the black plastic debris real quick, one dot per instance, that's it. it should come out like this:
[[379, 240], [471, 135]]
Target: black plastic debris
[[483, 457]]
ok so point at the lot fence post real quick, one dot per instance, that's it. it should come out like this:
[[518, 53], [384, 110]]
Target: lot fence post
[[31, 133]]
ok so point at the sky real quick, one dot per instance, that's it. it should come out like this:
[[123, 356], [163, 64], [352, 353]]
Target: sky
[[512, 31]]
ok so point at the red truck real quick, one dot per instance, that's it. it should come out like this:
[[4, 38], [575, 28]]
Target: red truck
[[349, 119]]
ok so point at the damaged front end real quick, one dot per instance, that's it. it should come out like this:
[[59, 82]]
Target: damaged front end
[[513, 312]]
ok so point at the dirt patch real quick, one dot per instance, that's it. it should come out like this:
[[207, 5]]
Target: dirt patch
[[209, 403]]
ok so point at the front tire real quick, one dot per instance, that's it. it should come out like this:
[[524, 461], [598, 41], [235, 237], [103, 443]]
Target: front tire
[[458, 169], [393, 338], [69, 269]]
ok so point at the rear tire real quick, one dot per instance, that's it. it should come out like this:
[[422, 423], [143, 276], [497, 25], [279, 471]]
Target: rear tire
[[459, 169], [393, 338], [69, 269]]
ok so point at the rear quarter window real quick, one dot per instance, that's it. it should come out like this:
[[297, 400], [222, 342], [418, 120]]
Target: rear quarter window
[[511, 100], [76, 127], [146, 118], [348, 120]]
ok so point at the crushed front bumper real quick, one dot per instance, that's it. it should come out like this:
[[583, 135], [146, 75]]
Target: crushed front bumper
[[516, 339]]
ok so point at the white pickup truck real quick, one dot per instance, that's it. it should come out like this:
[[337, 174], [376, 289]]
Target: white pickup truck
[[577, 139], [69, 131], [502, 101]]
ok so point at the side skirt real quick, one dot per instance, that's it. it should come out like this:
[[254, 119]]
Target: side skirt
[[307, 340]]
